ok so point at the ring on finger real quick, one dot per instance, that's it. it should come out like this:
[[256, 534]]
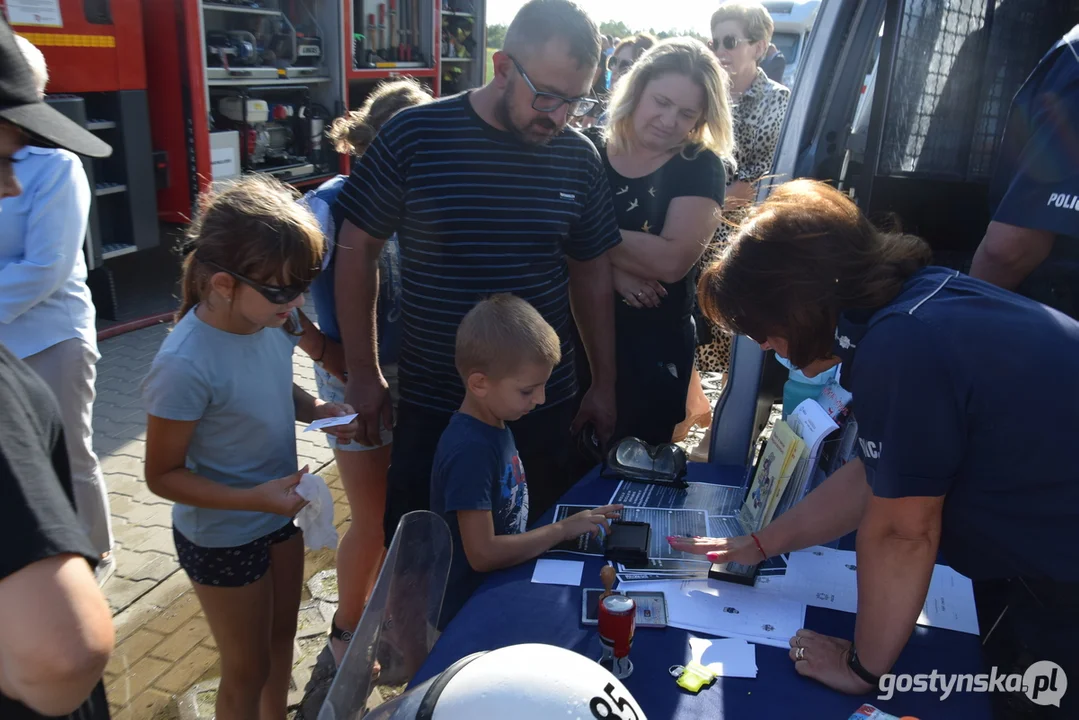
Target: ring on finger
[[800, 653]]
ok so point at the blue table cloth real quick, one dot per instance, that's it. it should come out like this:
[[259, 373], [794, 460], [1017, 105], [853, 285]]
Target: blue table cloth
[[509, 609]]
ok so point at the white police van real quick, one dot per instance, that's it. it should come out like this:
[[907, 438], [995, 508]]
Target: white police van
[[934, 82], [793, 22]]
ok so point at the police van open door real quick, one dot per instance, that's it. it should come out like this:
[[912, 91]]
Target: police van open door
[[941, 86]]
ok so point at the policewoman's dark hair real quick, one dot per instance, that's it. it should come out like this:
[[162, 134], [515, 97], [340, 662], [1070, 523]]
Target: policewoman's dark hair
[[253, 227], [800, 258]]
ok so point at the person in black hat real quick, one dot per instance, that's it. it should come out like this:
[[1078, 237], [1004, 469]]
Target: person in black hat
[[22, 106], [57, 633], [47, 316]]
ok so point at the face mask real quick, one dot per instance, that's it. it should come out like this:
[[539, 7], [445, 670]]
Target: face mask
[[822, 379]]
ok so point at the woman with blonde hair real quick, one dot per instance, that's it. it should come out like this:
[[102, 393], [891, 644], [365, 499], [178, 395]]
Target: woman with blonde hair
[[670, 125]]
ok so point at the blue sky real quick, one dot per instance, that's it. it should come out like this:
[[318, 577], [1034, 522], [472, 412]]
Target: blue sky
[[637, 14]]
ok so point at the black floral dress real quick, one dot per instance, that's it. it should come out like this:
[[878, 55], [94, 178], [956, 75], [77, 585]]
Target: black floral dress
[[655, 346]]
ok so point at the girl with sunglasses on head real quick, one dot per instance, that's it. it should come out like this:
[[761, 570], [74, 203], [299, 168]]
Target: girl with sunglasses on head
[[221, 432], [741, 32], [626, 52]]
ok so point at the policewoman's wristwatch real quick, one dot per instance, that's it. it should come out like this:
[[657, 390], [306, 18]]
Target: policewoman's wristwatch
[[858, 669]]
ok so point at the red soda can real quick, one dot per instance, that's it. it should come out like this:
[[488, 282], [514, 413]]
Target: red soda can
[[617, 622]]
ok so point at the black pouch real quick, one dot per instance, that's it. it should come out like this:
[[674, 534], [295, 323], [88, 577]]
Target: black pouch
[[633, 459], [628, 543]]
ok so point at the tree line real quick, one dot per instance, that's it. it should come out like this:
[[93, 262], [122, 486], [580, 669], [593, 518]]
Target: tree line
[[496, 34]]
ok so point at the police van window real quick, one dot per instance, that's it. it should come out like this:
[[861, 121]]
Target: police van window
[[957, 67], [787, 43]]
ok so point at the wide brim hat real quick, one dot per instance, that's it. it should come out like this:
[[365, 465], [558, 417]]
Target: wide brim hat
[[21, 105]]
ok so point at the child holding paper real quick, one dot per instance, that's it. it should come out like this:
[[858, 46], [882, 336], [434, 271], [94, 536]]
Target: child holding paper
[[221, 434], [505, 352]]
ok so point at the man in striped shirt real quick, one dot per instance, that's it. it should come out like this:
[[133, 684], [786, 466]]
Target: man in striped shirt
[[489, 192]]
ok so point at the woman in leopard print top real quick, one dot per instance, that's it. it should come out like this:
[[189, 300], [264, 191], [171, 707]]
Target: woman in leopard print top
[[741, 33]]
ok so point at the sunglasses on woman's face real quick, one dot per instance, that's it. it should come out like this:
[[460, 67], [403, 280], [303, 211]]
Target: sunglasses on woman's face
[[274, 294], [618, 64], [729, 42]]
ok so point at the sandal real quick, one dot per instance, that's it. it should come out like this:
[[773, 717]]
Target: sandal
[[336, 633], [701, 452], [681, 431]]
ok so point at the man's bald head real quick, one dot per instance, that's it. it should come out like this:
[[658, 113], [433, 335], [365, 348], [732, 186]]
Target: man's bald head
[[541, 21]]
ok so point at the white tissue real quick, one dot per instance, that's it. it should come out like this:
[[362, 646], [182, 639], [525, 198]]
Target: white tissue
[[316, 518]]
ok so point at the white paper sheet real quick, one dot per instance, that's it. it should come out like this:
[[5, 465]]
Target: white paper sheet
[[729, 610], [558, 572], [45, 13], [330, 422], [725, 657], [724, 527], [950, 602], [828, 578], [812, 424]]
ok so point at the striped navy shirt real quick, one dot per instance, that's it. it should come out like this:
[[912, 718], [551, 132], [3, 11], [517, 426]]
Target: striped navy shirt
[[477, 212]]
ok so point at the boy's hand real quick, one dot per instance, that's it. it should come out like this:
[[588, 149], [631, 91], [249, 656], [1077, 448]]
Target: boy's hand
[[343, 433], [279, 496], [589, 521]]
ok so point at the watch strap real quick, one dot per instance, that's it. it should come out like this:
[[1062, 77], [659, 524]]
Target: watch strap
[[856, 666]]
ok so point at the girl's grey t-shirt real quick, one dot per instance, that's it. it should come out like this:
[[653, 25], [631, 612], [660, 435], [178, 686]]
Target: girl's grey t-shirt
[[239, 389]]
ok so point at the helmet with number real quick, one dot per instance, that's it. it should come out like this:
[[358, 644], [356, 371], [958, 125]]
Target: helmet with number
[[524, 682]]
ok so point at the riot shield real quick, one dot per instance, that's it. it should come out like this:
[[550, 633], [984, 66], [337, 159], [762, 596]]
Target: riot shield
[[398, 626]]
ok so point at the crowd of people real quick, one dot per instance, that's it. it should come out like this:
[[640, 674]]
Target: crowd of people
[[496, 290]]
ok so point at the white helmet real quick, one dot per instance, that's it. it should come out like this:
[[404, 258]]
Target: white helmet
[[524, 682]]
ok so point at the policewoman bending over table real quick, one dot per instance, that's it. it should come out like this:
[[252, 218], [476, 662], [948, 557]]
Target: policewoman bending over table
[[967, 402]]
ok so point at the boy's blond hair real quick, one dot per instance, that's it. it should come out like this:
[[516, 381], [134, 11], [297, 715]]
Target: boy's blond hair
[[502, 333]]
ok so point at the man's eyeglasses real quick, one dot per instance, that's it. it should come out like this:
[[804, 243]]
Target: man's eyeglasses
[[615, 64], [274, 294], [549, 102], [729, 42]]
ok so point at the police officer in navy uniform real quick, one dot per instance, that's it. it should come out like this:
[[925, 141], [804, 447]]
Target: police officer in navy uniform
[[1035, 189], [959, 449]]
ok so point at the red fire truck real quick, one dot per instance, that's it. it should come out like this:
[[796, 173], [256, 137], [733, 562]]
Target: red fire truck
[[192, 91]]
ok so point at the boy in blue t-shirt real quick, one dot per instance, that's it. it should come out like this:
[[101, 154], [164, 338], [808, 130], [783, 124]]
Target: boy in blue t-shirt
[[505, 353]]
